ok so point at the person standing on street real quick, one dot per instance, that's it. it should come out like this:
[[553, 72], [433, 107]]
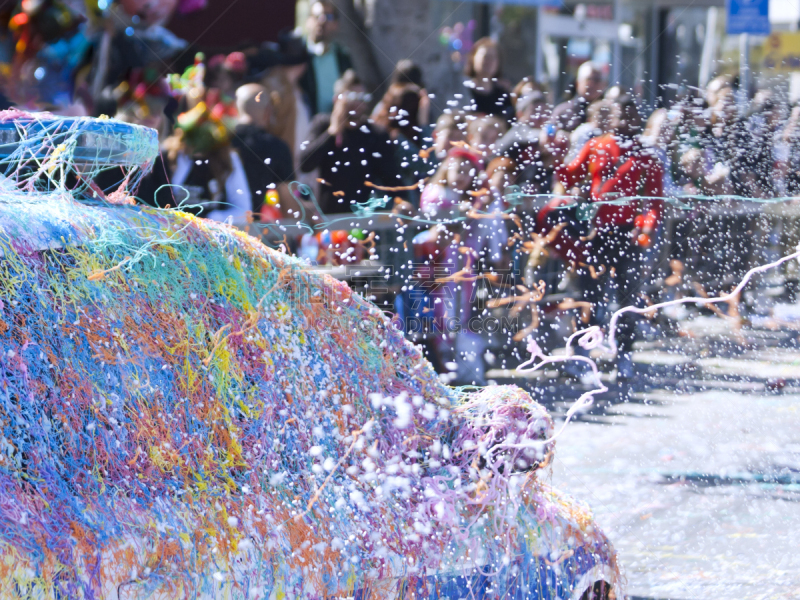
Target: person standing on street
[[589, 86], [618, 167], [265, 158], [352, 155], [489, 95], [329, 60]]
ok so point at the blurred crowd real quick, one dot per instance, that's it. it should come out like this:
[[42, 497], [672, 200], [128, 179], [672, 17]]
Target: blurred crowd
[[499, 178]]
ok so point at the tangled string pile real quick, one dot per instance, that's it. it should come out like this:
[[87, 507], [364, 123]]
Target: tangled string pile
[[186, 413], [40, 154]]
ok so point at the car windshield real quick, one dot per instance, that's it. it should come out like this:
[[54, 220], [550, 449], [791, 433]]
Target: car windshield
[[47, 154]]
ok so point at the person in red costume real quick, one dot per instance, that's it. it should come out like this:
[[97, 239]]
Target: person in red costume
[[616, 166]]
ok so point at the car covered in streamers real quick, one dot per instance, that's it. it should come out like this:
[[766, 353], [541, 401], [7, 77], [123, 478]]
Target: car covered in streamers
[[186, 413]]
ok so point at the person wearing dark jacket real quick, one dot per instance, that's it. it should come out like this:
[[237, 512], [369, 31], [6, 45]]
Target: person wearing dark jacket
[[589, 86], [351, 154], [328, 60], [266, 159], [483, 68], [522, 144]]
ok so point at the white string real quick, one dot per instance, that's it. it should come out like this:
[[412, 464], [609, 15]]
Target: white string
[[592, 337]]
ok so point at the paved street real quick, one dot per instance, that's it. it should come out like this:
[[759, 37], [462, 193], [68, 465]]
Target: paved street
[[668, 478], [696, 478]]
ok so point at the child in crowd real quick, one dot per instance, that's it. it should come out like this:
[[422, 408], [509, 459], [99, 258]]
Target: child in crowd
[[447, 194], [483, 133]]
